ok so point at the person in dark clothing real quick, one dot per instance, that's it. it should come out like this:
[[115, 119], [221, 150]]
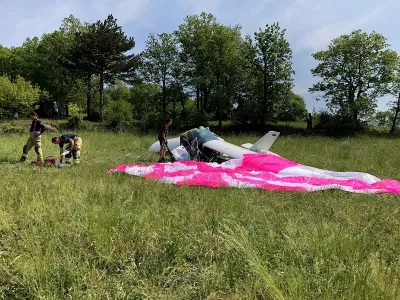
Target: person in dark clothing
[[309, 121], [162, 138], [55, 110], [34, 139], [74, 144]]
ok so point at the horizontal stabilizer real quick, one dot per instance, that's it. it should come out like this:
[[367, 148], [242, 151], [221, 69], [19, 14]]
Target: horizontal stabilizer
[[247, 145], [263, 144]]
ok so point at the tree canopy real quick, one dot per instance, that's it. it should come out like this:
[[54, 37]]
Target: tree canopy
[[202, 71], [355, 70], [17, 96], [101, 50]]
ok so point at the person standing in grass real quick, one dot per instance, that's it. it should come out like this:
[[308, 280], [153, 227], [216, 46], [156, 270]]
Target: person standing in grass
[[162, 138], [55, 110], [74, 144], [34, 139], [309, 121]]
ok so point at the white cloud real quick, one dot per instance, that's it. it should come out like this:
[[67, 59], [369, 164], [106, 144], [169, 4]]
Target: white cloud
[[123, 10], [292, 11], [320, 37], [311, 25], [19, 21], [192, 7], [46, 18], [263, 4]]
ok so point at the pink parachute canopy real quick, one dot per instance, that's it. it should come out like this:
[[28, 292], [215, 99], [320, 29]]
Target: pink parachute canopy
[[265, 171]]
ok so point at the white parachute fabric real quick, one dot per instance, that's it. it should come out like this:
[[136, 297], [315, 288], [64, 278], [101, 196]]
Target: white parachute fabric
[[266, 171]]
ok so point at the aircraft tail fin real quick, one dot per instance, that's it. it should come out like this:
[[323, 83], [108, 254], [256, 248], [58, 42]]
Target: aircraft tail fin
[[263, 144]]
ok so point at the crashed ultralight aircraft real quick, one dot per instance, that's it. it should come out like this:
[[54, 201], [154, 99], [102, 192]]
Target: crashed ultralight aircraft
[[203, 145], [198, 152]]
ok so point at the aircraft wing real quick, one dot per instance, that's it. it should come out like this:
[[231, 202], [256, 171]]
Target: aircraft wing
[[172, 144], [227, 148]]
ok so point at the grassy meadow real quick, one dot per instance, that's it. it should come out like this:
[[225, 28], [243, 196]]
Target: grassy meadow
[[81, 233]]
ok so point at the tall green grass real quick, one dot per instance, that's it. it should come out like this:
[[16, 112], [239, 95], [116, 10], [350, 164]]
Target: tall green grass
[[81, 233]]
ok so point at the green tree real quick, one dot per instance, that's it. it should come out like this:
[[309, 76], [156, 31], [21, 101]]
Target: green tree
[[272, 63], [224, 56], [177, 96], [354, 72], [118, 114], [28, 62], [101, 50], [118, 91], [158, 62], [71, 25], [194, 36], [19, 96], [210, 54], [394, 90], [41, 61], [81, 63], [292, 108], [52, 53], [5, 57], [10, 63], [77, 62], [246, 84], [383, 118], [144, 100]]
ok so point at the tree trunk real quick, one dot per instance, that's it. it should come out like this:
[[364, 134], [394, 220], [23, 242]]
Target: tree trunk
[[351, 100], [101, 102], [89, 97], [198, 97], [287, 126], [396, 115], [65, 100], [265, 99], [205, 98], [201, 98], [182, 101], [183, 109], [219, 105], [164, 96], [66, 108], [356, 111]]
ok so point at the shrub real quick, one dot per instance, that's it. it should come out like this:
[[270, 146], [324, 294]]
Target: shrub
[[94, 117], [73, 109], [74, 123], [118, 115], [12, 128]]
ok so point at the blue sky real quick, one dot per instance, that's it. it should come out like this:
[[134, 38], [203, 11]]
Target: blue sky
[[310, 24]]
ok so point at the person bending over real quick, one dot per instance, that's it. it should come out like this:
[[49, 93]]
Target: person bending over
[[74, 144]]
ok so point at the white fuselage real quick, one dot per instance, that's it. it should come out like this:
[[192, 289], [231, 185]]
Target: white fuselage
[[217, 145], [223, 147]]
